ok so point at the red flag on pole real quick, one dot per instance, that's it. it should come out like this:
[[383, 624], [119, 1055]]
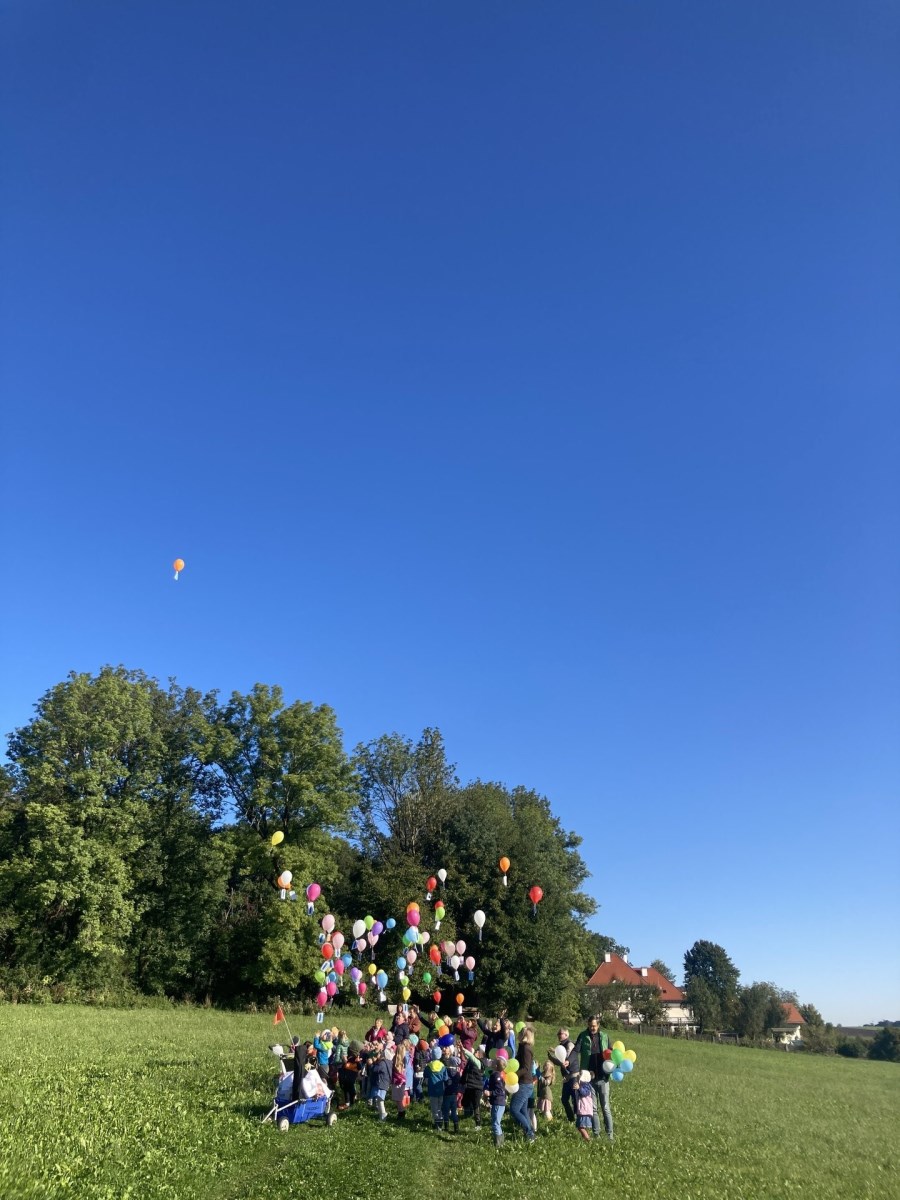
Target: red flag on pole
[[279, 1015]]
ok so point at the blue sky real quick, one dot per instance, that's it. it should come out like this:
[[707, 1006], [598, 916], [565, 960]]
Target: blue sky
[[526, 370]]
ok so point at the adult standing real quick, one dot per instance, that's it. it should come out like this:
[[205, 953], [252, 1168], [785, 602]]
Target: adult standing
[[589, 1047], [571, 1069], [494, 1037], [518, 1108]]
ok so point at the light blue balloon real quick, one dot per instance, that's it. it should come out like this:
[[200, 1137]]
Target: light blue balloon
[[347, 959], [381, 979], [437, 1052], [617, 1075], [390, 923], [626, 1065], [401, 964]]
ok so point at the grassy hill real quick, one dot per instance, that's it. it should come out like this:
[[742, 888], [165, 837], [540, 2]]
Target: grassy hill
[[146, 1104]]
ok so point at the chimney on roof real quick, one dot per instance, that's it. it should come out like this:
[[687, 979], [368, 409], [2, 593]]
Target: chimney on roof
[[644, 972], [607, 958], [624, 958]]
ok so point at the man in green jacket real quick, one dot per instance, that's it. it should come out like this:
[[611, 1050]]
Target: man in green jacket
[[589, 1047]]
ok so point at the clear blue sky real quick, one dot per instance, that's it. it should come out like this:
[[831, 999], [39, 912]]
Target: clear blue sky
[[526, 370]]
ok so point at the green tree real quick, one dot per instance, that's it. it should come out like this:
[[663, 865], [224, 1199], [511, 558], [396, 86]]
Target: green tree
[[709, 962], [599, 945], [885, 1046], [704, 1003], [104, 768], [283, 769], [404, 788], [758, 1010], [664, 970], [810, 1014], [647, 1005]]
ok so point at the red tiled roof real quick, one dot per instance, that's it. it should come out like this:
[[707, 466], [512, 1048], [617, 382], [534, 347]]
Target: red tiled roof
[[668, 991], [617, 970], [792, 1015]]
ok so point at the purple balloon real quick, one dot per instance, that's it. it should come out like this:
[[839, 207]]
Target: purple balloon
[[377, 928]]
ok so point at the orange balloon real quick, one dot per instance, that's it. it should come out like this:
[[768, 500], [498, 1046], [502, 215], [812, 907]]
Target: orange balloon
[[178, 564], [504, 864], [459, 997]]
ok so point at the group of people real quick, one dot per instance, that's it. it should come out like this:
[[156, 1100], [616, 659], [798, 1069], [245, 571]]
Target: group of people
[[459, 1072]]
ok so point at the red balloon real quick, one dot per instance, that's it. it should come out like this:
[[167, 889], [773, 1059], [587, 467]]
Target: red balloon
[[435, 955], [328, 950], [607, 1054], [536, 895], [436, 997], [431, 883]]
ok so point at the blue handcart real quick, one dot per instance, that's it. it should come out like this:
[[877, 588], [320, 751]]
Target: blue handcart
[[286, 1111]]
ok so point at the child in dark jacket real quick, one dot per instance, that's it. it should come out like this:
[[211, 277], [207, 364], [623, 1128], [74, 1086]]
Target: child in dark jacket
[[496, 1090], [473, 1086], [380, 1080]]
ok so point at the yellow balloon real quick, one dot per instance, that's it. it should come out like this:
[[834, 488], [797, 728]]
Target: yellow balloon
[[372, 969], [277, 838], [631, 1056], [618, 1045], [510, 1078], [406, 993], [436, 1065]]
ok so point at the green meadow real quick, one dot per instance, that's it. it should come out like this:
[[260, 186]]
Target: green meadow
[[166, 1103]]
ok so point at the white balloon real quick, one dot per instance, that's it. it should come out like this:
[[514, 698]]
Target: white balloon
[[442, 875], [560, 1054], [479, 919], [359, 929]]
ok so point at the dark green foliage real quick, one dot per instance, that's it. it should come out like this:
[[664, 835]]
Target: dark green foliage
[[852, 1047], [664, 970], [711, 980], [758, 1010], [885, 1046]]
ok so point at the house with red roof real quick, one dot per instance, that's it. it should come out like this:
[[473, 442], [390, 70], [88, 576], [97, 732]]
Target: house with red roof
[[617, 969], [790, 1031]]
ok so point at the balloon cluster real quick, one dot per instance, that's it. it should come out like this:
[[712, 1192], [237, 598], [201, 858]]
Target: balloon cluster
[[618, 1062]]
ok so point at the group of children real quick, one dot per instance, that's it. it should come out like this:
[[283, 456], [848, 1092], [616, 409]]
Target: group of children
[[458, 1072]]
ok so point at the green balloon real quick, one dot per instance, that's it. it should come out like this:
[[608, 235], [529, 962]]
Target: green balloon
[[319, 977], [369, 922], [520, 1025], [617, 1056], [512, 1065], [426, 978]]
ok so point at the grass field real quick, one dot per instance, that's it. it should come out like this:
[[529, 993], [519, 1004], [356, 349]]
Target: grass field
[[146, 1104]]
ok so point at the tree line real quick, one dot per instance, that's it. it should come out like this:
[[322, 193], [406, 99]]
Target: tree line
[[136, 852]]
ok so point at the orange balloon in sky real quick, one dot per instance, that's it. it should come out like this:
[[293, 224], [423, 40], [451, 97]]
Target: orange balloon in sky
[[178, 565]]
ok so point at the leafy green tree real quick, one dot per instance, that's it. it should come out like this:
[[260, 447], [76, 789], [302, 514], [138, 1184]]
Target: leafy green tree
[[704, 1003], [647, 1005], [709, 962], [404, 787], [810, 1014], [885, 1046], [759, 1010], [664, 970], [104, 767], [283, 769], [599, 945]]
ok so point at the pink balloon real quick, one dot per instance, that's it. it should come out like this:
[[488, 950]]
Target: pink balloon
[[362, 987], [322, 998], [503, 1054], [338, 940], [460, 948], [470, 963], [360, 943], [411, 957], [328, 922], [313, 892], [339, 966], [373, 938], [424, 936], [331, 988], [413, 917], [448, 949]]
